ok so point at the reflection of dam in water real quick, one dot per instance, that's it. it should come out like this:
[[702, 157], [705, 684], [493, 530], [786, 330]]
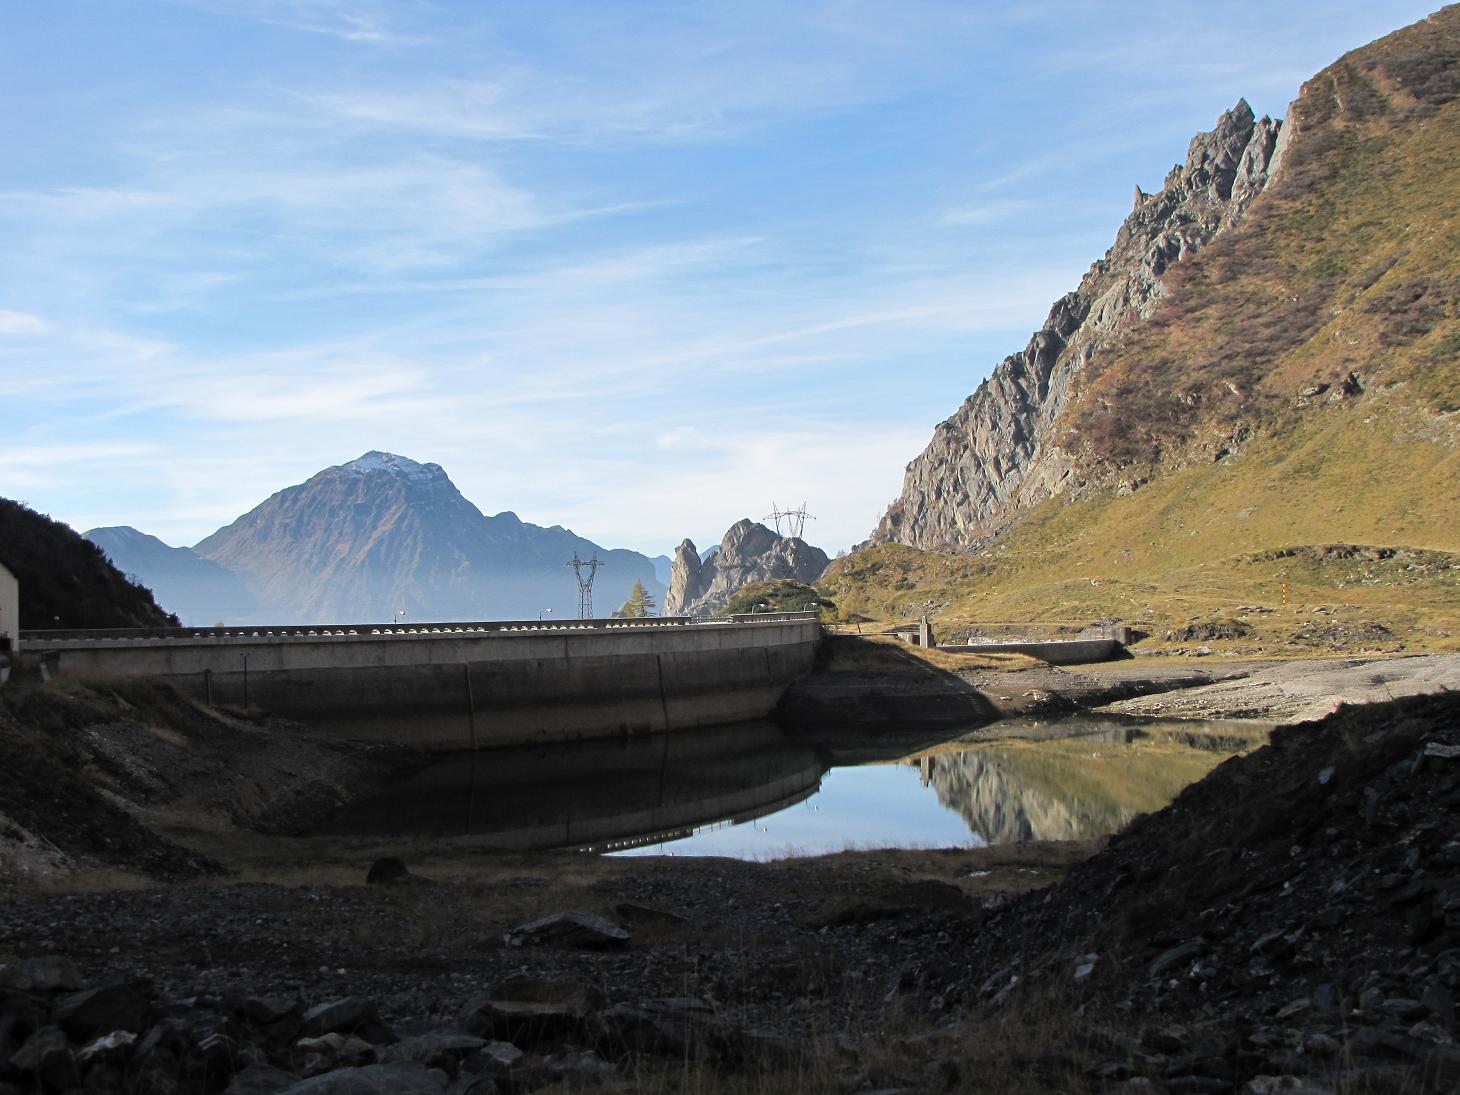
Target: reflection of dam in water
[[686, 792], [604, 795]]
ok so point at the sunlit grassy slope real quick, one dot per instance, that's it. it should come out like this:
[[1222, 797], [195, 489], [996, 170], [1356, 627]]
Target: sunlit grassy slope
[[1348, 266], [1217, 543]]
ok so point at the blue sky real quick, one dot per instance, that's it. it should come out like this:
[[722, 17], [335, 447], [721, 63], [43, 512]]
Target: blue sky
[[639, 269]]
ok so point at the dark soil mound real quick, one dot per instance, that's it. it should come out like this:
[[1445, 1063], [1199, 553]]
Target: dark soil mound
[[48, 785], [1299, 908]]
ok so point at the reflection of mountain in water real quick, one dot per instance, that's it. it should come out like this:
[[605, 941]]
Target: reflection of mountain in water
[[998, 806], [1061, 790]]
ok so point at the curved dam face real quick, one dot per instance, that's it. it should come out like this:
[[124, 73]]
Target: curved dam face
[[453, 687]]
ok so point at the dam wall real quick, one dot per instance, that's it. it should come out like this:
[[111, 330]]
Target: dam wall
[[468, 686]]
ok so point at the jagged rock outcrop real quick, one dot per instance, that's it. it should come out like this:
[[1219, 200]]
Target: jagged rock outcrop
[[998, 456], [749, 552]]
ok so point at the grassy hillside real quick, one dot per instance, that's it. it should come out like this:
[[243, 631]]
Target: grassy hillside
[[1299, 388], [1216, 543], [1347, 266]]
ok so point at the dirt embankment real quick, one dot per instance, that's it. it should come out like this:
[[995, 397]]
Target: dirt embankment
[[123, 775]]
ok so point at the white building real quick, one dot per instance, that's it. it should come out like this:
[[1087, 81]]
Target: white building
[[9, 611]]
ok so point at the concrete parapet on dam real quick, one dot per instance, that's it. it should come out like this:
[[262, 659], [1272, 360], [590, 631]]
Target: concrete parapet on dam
[[468, 685]]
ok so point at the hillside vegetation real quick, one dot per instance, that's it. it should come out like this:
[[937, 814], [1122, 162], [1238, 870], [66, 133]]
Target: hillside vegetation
[[66, 581], [1289, 415]]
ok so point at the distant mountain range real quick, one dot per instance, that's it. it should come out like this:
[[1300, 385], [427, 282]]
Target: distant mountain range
[[367, 541]]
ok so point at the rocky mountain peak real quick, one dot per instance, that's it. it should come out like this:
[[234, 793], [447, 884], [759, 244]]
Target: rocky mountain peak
[[997, 456], [749, 552], [397, 467]]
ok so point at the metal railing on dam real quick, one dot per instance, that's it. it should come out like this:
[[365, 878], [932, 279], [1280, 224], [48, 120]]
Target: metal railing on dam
[[466, 685], [50, 639]]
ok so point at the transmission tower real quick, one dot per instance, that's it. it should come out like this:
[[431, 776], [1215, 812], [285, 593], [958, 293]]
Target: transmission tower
[[585, 585], [795, 520]]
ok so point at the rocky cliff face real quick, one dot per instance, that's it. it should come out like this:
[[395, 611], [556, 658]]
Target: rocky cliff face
[[749, 552], [998, 455]]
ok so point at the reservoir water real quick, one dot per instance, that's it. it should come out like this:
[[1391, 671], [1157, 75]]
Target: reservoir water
[[753, 791]]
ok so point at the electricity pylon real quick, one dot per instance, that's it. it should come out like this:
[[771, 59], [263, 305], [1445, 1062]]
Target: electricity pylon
[[585, 585], [795, 520]]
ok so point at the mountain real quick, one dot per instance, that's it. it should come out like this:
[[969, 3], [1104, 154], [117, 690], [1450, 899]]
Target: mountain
[[1000, 454], [1259, 379], [199, 590], [381, 535], [749, 552], [67, 582]]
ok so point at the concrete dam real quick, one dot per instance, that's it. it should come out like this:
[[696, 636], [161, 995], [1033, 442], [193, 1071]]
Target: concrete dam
[[453, 686]]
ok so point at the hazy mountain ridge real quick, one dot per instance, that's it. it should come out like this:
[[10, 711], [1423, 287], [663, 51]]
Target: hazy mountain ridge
[[378, 536], [198, 590]]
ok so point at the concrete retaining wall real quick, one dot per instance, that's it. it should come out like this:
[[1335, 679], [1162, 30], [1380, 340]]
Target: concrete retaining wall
[[457, 690], [1055, 652]]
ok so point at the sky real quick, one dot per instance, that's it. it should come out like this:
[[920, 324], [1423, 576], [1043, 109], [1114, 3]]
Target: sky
[[640, 269]]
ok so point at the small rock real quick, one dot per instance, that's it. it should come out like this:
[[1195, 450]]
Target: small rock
[[443, 1049], [331, 1051], [347, 1014], [1170, 958], [97, 1011], [493, 1059], [527, 1010], [942, 1075], [109, 1049], [1297, 1007], [388, 872], [569, 929], [1085, 966], [48, 1056], [583, 1069], [50, 973]]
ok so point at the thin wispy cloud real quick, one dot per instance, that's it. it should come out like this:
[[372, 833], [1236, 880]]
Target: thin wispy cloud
[[634, 268], [356, 21]]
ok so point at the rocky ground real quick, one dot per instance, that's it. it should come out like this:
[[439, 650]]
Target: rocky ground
[[1286, 925]]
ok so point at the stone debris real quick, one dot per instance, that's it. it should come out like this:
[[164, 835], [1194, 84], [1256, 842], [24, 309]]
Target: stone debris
[[232, 1045], [569, 929], [1292, 933]]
